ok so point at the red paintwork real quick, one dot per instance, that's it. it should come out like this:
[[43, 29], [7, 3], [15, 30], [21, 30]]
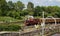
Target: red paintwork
[[29, 22]]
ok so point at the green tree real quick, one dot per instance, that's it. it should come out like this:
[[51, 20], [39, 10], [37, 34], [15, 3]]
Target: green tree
[[3, 7], [11, 5], [30, 7], [19, 6], [37, 11], [24, 12]]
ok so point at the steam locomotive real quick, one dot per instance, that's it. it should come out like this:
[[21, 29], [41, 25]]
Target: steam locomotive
[[39, 21]]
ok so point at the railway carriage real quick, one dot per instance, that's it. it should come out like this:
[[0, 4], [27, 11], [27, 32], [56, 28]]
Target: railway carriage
[[39, 21]]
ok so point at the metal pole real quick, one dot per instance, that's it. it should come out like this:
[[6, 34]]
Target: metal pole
[[43, 25], [55, 22]]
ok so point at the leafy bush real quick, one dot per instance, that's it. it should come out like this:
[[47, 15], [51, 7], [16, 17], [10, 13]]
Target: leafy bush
[[7, 19], [9, 27]]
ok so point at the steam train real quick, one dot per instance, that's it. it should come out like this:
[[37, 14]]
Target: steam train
[[39, 21]]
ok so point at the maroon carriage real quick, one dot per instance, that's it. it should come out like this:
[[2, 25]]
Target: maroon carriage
[[32, 22]]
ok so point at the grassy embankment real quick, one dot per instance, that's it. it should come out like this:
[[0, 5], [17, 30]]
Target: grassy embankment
[[9, 26]]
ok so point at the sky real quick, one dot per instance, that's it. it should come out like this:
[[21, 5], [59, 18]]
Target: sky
[[40, 2]]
